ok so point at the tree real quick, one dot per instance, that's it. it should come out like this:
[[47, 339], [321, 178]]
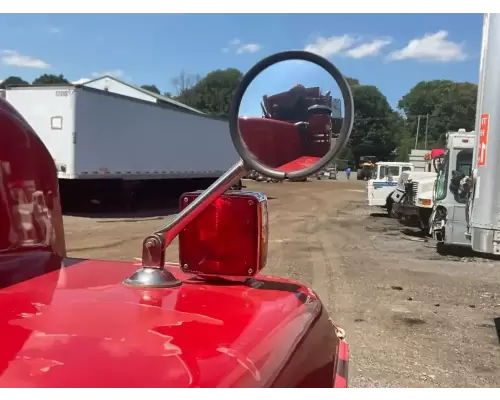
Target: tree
[[50, 79], [12, 80], [151, 88], [377, 128], [183, 82], [450, 106], [212, 94]]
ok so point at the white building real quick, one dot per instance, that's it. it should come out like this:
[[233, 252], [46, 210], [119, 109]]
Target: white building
[[117, 86]]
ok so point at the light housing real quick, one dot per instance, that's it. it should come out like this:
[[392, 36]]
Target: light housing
[[229, 238], [425, 202]]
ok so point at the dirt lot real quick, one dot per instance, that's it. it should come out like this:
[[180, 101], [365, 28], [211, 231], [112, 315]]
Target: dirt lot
[[413, 318]]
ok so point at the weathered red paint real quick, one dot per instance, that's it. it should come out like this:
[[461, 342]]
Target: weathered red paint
[[72, 323]]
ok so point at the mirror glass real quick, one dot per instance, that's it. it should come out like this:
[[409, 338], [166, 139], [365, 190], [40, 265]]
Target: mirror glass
[[291, 115]]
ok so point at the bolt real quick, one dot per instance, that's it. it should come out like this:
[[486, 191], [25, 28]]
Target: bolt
[[250, 271], [185, 199], [250, 202]]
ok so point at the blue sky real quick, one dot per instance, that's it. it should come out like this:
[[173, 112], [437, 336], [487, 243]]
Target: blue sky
[[377, 49]]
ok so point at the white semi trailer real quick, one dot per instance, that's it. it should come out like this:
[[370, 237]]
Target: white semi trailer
[[483, 207], [107, 144]]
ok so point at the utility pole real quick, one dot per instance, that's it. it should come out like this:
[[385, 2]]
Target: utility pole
[[418, 130], [426, 129]]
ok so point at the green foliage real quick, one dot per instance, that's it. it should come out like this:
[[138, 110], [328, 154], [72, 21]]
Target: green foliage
[[377, 127], [151, 88], [450, 106], [213, 93], [51, 79], [12, 80]]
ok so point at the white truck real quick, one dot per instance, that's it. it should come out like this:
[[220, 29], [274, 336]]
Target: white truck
[[104, 143], [412, 201], [384, 181], [448, 220]]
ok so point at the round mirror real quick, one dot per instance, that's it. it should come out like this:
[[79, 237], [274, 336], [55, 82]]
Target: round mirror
[[291, 115]]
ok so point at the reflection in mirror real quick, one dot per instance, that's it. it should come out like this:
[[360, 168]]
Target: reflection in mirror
[[290, 115]]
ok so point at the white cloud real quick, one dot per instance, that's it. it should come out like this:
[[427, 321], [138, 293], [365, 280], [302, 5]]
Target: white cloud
[[13, 58], [431, 47], [80, 81], [248, 48], [327, 47], [117, 73], [240, 47], [54, 29], [368, 49]]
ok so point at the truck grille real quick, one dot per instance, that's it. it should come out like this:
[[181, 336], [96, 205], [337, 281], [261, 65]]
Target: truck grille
[[415, 190], [411, 189]]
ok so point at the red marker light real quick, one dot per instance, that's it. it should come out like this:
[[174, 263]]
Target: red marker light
[[227, 238], [465, 140]]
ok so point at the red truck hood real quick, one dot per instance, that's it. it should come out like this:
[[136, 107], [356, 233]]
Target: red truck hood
[[81, 327], [298, 164]]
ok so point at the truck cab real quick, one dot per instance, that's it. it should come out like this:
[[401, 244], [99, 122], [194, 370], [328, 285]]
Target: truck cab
[[448, 220], [384, 181], [412, 201]]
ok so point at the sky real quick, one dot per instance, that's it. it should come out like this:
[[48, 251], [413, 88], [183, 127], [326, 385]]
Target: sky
[[391, 51]]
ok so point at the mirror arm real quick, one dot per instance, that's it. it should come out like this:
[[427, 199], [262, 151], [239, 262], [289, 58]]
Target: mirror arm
[[215, 190], [153, 273], [154, 249]]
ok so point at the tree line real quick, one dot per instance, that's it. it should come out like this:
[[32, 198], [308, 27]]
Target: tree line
[[433, 107]]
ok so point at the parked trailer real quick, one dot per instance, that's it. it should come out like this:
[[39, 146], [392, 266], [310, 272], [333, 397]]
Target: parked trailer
[[105, 143]]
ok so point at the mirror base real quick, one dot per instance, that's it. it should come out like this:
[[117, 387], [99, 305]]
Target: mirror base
[[148, 277]]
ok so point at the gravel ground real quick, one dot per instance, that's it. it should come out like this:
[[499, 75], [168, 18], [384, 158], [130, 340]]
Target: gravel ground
[[413, 318]]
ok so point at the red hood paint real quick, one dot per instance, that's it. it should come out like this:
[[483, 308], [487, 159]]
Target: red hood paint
[[298, 164], [93, 331]]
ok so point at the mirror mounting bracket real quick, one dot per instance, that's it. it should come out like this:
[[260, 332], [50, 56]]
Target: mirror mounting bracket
[[153, 273]]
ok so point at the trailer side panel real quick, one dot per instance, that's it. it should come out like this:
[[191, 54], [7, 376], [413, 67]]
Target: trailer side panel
[[122, 137]]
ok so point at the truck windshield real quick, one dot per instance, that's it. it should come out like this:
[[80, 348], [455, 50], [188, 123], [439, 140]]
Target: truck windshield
[[442, 179], [464, 161], [393, 171]]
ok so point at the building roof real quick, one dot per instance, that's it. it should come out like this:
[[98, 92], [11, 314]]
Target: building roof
[[157, 96]]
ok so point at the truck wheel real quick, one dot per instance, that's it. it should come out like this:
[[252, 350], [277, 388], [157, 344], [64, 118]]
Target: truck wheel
[[359, 175]]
